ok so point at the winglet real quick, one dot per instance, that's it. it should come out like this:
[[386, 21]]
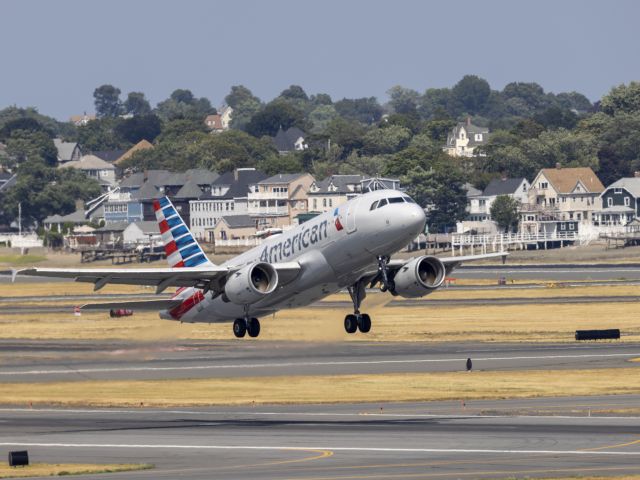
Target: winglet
[[14, 274]]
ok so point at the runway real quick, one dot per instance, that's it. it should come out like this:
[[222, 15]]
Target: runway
[[336, 442], [43, 361]]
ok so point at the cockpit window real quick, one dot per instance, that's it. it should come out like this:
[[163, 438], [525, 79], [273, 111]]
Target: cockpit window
[[396, 200], [382, 203], [374, 205], [409, 200]]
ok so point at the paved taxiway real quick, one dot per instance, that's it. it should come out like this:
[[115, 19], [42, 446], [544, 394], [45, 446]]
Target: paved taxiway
[[337, 442], [41, 361]]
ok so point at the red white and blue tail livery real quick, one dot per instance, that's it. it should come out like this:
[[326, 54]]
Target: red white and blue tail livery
[[181, 247]]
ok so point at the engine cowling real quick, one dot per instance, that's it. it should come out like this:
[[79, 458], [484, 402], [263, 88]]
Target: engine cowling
[[251, 283], [419, 277]]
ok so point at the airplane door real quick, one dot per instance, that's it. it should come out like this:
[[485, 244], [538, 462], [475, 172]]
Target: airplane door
[[351, 215]]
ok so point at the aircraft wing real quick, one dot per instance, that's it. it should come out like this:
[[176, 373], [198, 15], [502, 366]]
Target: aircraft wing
[[206, 277]]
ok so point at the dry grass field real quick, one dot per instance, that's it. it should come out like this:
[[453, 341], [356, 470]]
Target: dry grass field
[[63, 469], [510, 323], [326, 388]]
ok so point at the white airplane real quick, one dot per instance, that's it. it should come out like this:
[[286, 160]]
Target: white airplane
[[349, 247]]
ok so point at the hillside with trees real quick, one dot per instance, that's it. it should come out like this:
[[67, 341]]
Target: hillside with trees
[[530, 129]]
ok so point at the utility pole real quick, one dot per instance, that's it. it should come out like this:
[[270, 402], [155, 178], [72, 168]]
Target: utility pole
[[20, 219]]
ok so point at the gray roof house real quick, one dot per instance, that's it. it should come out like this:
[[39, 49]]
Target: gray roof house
[[67, 151], [464, 138], [620, 203], [290, 140]]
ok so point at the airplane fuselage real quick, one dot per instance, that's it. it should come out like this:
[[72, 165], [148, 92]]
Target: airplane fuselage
[[333, 249]]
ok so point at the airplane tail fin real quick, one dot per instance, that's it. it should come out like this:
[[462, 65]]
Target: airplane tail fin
[[181, 247]]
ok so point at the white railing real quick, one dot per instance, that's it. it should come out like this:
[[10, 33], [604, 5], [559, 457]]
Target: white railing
[[21, 241], [267, 195], [238, 242], [503, 241]]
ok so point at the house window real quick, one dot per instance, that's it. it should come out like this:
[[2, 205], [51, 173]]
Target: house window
[[572, 226], [617, 190], [544, 185], [609, 202], [627, 201], [324, 202], [563, 226], [478, 137]]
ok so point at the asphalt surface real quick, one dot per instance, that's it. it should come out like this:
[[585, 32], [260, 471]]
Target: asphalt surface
[[332, 442], [43, 361], [561, 272], [545, 437]]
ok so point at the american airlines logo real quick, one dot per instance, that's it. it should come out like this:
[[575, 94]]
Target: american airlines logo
[[299, 242]]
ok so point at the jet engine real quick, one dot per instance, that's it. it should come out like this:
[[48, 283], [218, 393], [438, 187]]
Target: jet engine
[[420, 277], [251, 283]]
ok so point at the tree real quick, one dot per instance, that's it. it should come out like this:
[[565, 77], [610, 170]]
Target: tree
[[183, 104], [276, 114], [435, 104], [24, 145], [136, 104], [102, 134], [107, 101], [504, 211], [321, 116], [471, 93], [366, 110], [385, 140], [403, 100], [139, 127], [294, 92], [440, 190], [238, 95], [622, 99]]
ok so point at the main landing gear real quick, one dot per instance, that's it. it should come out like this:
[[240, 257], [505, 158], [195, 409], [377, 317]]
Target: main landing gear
[[250, 325], [362, 321], [357, 320]]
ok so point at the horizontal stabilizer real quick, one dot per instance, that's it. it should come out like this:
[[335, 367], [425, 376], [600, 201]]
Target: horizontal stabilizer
[[140, 305]]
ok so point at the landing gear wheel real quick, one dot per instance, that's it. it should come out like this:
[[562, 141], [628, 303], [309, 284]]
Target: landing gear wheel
[[364, 323], [253, 327], [350, 323], [239, 327]]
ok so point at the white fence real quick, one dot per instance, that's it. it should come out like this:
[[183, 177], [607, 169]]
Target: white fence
[[501, 242], [30, 240], [238, 242]]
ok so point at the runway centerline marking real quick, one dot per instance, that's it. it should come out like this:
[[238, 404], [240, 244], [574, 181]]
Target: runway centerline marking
[[323, 448], [452, 416], [311, 364]]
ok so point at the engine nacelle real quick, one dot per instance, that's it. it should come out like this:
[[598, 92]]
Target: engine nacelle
[[419, 277], [251, 283]]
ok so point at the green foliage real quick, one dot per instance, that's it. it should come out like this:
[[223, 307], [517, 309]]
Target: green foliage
[[182, 104], [440, 190], [44, 191], [245, 105], [321, 116], [137, 104], [379, 141], [279, 113], [143, 126], [102, 134], [403, 100], [106, 99], [49, 125], [504, 211], [289, 163], [365, 110], [471, 93], [24, 145], [622, 99]]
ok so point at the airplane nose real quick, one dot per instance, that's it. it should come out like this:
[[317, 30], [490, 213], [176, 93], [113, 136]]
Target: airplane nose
[[418, 217]]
